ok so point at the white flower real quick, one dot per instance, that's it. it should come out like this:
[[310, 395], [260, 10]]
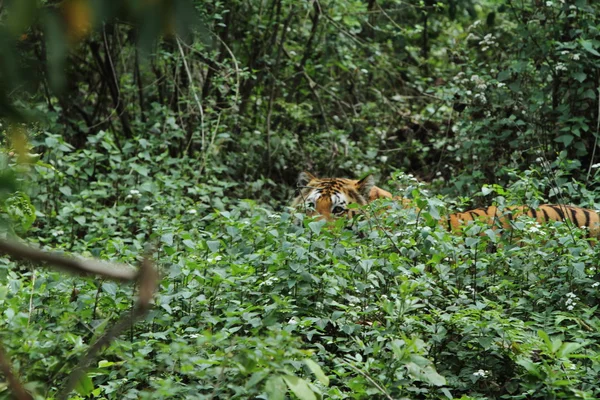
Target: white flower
[[575, 56], [364, 71], [570, 308], [560, 67], [500, 84], [549, 4], [595, 284], [128, 196], [293, 321], [148, 208], [60, 232], [274, 216], [192, 211], [596, 165], [482, 373]]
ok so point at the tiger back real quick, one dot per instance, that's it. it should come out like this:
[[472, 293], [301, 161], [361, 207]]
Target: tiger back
[[330, 197]]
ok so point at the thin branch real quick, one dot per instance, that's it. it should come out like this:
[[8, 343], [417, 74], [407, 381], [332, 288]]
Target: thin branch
[[119, 272], [367, 377], [148, 281], [189, 74], [273, 85], [587, 178], [16, 387]]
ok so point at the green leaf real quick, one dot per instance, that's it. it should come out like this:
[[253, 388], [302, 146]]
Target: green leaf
[[579, 76], [487, 190], [167, 239], [213, 245], [565, 139], [85, 386], [431, 376], [65, 190], [530, 367], [503, 75], [544, 336], [316, 369], [568, 348], [316, 226], [299, 387], [80, 219], [275, 388], [110, 288], [589, 47]]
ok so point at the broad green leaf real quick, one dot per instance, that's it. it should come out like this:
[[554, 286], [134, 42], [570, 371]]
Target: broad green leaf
[[316, 369], [568, 348], [167, 239], [65, 190], [85, 386], [299, 387], [433, 377], [316, 226], [213, 245], [589, 47], [275, 388]]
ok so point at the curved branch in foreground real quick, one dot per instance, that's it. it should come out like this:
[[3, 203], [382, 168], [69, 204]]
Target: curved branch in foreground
[[118, 272], [14, 383], [147, 277], [148, 281]]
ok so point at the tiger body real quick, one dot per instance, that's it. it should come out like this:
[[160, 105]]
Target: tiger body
[[330, 197]]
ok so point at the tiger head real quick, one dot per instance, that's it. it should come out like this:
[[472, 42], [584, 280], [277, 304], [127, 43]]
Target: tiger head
[[330, 197]]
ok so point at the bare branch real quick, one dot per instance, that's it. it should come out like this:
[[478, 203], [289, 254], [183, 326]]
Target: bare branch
[[148, 281], [119, 272], [17, 388]]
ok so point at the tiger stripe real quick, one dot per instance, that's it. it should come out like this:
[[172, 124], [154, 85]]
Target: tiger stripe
[[329, 198]]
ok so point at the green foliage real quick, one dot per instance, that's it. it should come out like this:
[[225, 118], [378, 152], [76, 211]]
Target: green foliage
[[257, 303], [162, 142]]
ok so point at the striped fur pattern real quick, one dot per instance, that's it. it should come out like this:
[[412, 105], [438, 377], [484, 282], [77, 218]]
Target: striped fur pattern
[[330, 197]]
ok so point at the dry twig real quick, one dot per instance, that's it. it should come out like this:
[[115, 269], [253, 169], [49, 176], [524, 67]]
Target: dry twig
[[118, 272], [17, 388]]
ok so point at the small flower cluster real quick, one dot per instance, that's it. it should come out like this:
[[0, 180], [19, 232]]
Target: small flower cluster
[[59, 232], [595, 284], [269, 281], [217, 258], [479, 82], [482, 373], [535, 228], [570, 302], [192, 211], [488, 41], [133, 193], [560, 67]]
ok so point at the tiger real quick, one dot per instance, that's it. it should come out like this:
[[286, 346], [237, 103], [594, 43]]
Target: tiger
[[329, 198]]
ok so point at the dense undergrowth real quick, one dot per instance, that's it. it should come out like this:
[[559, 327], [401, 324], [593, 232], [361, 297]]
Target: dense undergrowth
[[263, 303], [191, 144]]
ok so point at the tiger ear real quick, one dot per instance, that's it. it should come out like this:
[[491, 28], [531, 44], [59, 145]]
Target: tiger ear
[[304, 178], [365, 185]]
